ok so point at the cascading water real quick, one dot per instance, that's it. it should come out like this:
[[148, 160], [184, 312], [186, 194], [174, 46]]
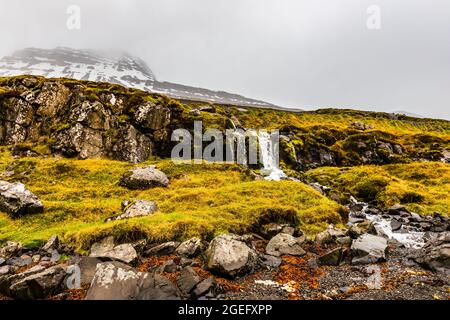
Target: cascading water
[[269, 160]]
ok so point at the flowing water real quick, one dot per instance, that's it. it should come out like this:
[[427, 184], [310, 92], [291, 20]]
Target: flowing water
[[269, 158]]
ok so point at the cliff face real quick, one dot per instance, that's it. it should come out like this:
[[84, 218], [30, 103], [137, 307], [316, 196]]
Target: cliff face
[[80, 121], [91, 120]]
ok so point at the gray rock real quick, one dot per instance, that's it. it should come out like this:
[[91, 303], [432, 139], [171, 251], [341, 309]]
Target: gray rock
[[106, 249], [139, 208], [435, 255], [169, 266], [163, 249], [22, 261], [117, 281], [203, 287], [397, 209], [368, 249], [272, 229], [51, 244], [271, 262], [16, 200], [329, 235], [10, 249], [188, 280], [6, 270], [144, 178], [227, 255], [332, 258], [2, 261], [88, 266], [40, 285], [7, 280], [189, 248], [285, 244], [396, 225], [36, 258], [152, 117]]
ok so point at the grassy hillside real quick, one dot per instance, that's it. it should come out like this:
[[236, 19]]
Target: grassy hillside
[[202, 200]]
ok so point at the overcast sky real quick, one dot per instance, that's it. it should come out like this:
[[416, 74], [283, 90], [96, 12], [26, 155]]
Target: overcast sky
[[294, 53]]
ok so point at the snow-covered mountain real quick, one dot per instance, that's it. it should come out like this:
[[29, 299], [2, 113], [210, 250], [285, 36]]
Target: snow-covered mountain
[[122, 69]]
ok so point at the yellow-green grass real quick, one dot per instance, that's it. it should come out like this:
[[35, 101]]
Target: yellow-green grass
[[422, 187], [202, 200]]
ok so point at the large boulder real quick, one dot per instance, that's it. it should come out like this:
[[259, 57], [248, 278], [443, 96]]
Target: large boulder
[[285, 244], [39, 285], [227, 255], [16, 200], [139, 208], [117, 281], [369, 249], [107, 249], [6, 281], [144, 178]]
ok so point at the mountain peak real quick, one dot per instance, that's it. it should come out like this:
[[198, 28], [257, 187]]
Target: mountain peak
[[114, 67]]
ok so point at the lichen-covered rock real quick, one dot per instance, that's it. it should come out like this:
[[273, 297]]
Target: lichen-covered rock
[[10, 249], [107, 249], [152, 117], [435, 255], [16, 200], [189, 248], [227, 255], [285, 244], [132, 145], [139, 208], [144, 178]]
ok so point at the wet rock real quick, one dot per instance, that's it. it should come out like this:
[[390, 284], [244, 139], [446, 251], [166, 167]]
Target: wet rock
[[368, 249], [189, 248], [435, 255], [40, 285], [144, 178], [332, 258], [16, 200], [227, 255], [52, 244], [139, 208], [397, 209], [106, 249], [396, 225], [359, 229], [188, 280], [162, 249], [285, 244], [10, 249]]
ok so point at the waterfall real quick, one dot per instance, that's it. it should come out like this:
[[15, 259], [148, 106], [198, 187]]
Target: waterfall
[[270, 169]]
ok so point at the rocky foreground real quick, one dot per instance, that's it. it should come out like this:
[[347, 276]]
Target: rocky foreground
[[407, 259]]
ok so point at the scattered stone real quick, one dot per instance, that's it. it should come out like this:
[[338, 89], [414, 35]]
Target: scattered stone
[[270, 230], [332, 258], [162, 249], [344, 241], [203, 287], [435, 255], [52, 244], [397, 209], [16, 200], [189, 248], [330, 235], [227, 255], [144, 178], [40, 285], [187, 280], [139, 208], [22, 261], [368, 249], [285, 244], [270, 261], [36, 258], [395, 225], [2, 261], [106, 249], [6, 270], [10, 249], [169, 266]]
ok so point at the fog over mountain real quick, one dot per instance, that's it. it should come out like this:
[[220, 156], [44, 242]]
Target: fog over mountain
[[293, 53]]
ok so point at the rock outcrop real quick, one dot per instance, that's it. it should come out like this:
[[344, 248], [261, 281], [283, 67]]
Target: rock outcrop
[[17, 200]]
